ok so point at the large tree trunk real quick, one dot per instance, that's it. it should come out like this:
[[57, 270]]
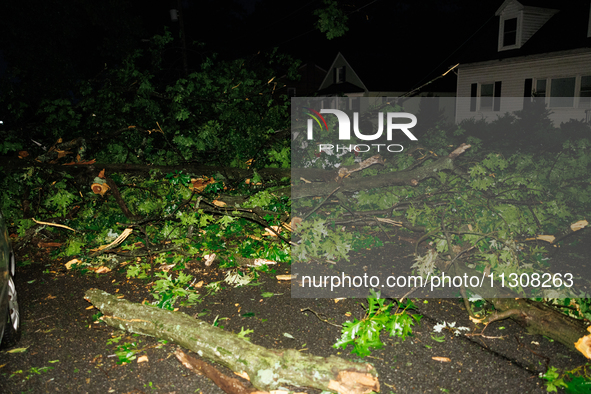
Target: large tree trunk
[[267, 368], [349, 185], [536, 317], [541, 319], [85, 173], [338, 178]]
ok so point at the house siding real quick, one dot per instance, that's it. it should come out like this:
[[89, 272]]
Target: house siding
[[532, 22], [512, 9], [529, 21], [513, 73]]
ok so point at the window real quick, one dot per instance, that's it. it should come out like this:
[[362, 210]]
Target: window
[[490, 96], [510, 32], [339, 74], [562, 92], [585, 100], [540, 90], [486, 97]]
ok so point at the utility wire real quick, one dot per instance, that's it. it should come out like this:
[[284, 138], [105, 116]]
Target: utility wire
[[451, 54]]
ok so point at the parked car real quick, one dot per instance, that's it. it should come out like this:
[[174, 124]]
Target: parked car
[[9, 313]]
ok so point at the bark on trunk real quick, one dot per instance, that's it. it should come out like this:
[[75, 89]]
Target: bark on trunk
[[536, 317], [540, 319], [267, 368], [332, 179], [89, 171]]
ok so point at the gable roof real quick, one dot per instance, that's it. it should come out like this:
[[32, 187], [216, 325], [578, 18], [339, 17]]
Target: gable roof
[[567, 29], [327, 86], [545, 4]]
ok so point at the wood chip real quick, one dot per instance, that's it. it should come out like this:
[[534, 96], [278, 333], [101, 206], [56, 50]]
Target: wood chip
[[70, 263], [579, 225]]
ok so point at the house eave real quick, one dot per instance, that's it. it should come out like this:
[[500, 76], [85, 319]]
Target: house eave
[[527, 8], [526, 58]]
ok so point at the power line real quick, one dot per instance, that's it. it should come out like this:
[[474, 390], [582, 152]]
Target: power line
[[457, 49]]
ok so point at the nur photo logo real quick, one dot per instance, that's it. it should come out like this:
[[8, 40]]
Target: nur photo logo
[[394, 122]]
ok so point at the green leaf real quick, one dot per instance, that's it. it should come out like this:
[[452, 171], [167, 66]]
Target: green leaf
[[17, 350], [438, 338], [243, 334]]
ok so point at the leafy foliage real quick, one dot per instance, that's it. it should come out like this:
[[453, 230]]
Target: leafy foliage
[[491, 205], [365, 333], [321, 242], [576, 381], [331, 20], [134, 111], [222, 113], [166, 290]]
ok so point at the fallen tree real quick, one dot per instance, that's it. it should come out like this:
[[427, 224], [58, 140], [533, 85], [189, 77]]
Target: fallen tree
[[84, 173], [535, 317], [340, 178], [267, 369], [478, 215]]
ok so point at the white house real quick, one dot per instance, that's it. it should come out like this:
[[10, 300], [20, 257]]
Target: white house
[[541, 48]]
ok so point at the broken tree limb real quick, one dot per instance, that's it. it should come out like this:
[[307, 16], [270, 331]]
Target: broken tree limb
[[539, 318], [267, 368], [554, 239], [227, 384], [536, 317], [89, 171], [411, 177], [115, 190]]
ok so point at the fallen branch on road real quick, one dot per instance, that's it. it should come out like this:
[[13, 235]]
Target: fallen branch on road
[[267, 369]]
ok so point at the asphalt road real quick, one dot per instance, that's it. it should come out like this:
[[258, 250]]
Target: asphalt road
[[66, 351]]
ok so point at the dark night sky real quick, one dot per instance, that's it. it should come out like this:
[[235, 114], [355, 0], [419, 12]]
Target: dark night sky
[[405, 32], [412, 39]]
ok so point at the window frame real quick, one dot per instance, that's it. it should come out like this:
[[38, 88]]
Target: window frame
[[502, 32], [578, 90], [587, 102], [495, 102], [481, 97], [509, 33], [536, 90]]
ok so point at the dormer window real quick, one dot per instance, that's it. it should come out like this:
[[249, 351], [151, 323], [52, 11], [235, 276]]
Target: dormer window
[[510, 32], [519, 22], [509, 35]]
